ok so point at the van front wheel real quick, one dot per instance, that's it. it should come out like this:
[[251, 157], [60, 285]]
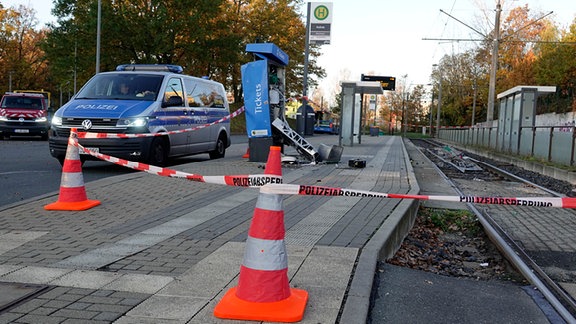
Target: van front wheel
[[220, 149], [158, 154]]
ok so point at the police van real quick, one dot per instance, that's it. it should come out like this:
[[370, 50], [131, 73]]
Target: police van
[[140, 98]]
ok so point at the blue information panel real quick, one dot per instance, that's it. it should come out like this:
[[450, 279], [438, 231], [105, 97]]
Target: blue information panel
[[256, 103]]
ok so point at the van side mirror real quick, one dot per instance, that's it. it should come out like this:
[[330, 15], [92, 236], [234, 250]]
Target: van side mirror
[[173, 101]]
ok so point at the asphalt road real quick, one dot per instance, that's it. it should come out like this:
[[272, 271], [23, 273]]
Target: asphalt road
[[28, 170]]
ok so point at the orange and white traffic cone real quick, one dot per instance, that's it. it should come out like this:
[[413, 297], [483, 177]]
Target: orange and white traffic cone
[[247, 154], [72, 192], [263, 292]]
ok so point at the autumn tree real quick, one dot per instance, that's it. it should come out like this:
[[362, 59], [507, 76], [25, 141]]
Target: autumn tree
[[163, 32], [395, 101], [22, 62], [519, 33], [207, 37], [416, 112], [465, 76], [556, 65], [279, 22]]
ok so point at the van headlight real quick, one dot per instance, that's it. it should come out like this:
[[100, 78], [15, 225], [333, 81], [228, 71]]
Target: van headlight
[[41, 120], [57, 121], [132, 122]]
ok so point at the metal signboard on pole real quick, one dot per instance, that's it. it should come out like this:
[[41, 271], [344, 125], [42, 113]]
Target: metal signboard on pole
[[320, 22], [387, 82]]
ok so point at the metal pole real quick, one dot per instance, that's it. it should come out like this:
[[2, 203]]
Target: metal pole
[[494, 65], [403, 126], [98, 36], [305, 77], [75, 64], [306, 51], [439, 106], [10, 81], [390, 129], [375, 110], [430, 112], [362, 120], [474, 103], [352, 119]]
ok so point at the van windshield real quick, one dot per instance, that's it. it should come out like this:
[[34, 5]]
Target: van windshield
[[22, 102], [122, 86]]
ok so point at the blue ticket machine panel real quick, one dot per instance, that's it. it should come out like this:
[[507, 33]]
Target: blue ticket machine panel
[[263, 82], [256, 101]]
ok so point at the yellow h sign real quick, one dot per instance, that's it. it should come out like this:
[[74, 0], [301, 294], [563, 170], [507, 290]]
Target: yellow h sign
[[321, 12]]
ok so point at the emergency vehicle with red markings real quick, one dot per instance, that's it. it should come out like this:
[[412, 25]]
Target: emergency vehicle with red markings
[[23, 114]]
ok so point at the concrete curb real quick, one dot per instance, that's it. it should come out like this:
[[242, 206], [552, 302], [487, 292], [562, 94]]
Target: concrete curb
[[381, 246]]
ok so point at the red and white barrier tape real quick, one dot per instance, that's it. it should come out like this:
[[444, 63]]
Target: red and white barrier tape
[[117, 135], [250, 180], [273, 184], [294, 189]]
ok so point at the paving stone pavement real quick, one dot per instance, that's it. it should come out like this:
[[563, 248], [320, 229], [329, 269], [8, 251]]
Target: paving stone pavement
[[164, 250]]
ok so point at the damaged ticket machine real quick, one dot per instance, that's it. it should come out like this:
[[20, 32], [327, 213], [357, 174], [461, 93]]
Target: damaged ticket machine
[[263, 82]]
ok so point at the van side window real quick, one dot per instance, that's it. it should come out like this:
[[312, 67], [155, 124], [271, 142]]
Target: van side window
[[193, 91], [218, 100], [203, 94], [214, 97], [174, 88]]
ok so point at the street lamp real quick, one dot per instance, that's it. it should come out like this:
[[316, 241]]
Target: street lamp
[[98, 37], [404, 124], [474, 103], [62, 85], [439, 100], [10, 81], [430, 112]]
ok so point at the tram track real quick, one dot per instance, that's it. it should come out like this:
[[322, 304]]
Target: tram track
[[487, 180]]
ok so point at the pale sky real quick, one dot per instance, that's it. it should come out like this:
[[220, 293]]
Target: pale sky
[[385, 37]]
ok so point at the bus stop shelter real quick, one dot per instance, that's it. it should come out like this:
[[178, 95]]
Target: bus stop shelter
[[517, 116], [351, 120]]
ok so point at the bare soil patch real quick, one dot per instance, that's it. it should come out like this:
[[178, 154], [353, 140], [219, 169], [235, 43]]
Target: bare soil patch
[[452, 243]]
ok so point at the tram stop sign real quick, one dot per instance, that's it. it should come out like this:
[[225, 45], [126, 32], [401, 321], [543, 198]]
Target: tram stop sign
[[387, 82]]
